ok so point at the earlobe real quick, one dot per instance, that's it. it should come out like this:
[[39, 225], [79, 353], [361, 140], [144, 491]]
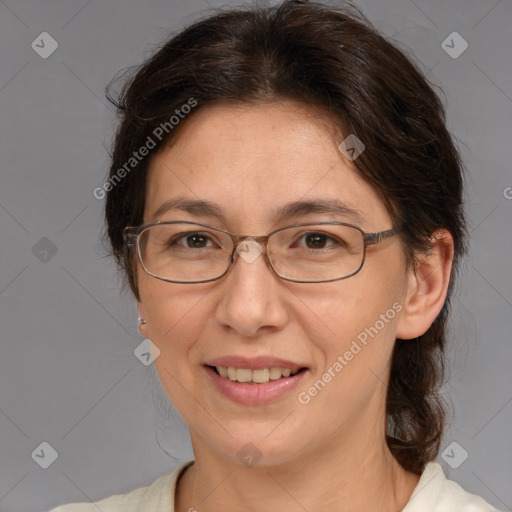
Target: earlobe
[[427, 287], [143, 326]]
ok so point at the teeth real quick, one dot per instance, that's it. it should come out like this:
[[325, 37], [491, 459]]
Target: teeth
[[275, 373], [243, 375], [260, 376]]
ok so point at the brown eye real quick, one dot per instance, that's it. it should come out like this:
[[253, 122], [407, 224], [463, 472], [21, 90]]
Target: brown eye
[[192, 240], [316, 240]]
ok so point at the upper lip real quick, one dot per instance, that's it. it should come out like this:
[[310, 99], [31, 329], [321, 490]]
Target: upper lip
[[254, 363]]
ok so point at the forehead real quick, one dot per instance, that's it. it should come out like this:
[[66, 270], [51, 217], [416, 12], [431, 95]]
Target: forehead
[[253, 159]]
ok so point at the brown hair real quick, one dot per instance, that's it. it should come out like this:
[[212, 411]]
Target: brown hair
[[335, 59]]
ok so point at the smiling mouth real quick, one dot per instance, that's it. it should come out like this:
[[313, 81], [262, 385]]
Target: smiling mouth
[[259, 376]]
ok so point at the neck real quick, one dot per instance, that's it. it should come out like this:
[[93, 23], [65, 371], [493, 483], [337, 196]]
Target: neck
[[361, 475]]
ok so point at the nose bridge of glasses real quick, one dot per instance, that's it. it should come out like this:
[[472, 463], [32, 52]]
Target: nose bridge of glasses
[[249, 247], [261, 240]]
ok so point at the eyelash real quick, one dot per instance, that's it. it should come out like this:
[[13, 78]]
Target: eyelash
[[183, 236]]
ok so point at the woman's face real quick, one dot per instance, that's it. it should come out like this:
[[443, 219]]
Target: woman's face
[[252, 161]]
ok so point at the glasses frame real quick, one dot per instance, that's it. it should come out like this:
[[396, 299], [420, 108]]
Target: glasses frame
[[131, 236]]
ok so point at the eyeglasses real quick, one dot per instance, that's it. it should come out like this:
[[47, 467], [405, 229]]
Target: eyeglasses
[[190, 252]]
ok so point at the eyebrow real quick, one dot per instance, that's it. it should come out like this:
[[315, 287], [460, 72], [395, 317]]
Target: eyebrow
[[202, 208]]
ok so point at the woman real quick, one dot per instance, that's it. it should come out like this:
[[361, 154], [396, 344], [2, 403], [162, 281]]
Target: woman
[[286, 203]]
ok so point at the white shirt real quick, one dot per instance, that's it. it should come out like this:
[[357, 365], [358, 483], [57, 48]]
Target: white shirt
[[434, 493]]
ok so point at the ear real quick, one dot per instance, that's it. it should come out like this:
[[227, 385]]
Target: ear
[[427, 286], [143, 329]]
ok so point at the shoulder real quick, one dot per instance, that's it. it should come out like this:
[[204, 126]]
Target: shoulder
[[436, 493], [159, 496]]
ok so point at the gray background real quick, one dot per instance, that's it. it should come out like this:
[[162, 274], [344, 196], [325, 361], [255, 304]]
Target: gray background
[[68, 375]]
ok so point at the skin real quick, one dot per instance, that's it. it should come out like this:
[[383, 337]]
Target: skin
[[250, 159]]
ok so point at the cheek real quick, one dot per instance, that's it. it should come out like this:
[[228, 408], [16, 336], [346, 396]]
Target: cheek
[[341, 311], [177, 317], [176, 314], [352, 331], [351, 365]]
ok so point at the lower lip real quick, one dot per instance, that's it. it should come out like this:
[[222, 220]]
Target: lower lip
[[254, 394]]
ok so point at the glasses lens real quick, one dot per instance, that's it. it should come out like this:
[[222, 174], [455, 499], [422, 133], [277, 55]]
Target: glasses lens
[[319, 252], [184, 252]]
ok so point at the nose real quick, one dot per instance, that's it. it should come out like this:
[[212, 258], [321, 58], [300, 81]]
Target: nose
[[252, 301]]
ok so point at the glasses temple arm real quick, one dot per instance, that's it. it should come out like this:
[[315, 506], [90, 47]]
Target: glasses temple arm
[[375, 238], [130, 236]]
